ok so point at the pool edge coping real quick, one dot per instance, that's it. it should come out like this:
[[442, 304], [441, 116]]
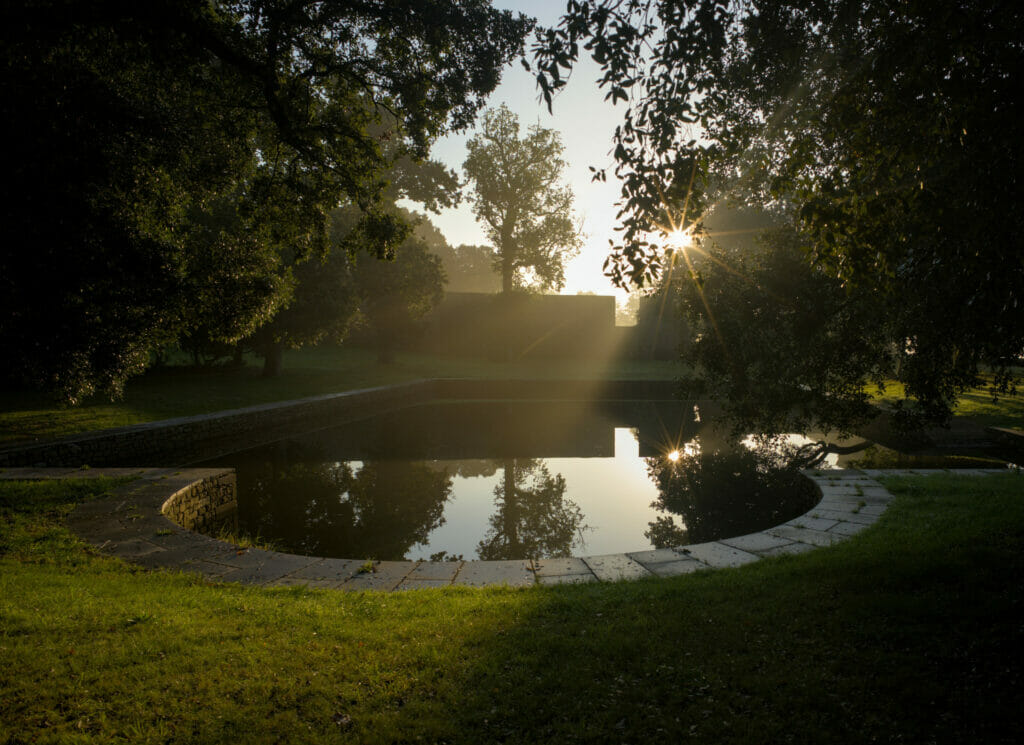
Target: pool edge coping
[[130, 524]]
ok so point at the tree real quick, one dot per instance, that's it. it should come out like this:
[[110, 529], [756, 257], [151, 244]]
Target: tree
[[467, 268], [516, 195], [891, 133], [472, 268], [780, 343], [321, 507], [534, 519], [322, 306], [131, 118], [725, 490], [395, 293]]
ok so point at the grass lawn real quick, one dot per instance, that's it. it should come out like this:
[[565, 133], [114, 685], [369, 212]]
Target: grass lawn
[[978, 404], [905, 633], [178, 391]]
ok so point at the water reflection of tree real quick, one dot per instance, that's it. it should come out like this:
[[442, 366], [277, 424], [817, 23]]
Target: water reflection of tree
[[331, 509], [729, 491], [534, 518]]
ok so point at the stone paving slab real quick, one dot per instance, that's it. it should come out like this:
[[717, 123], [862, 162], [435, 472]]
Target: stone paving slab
[[812, 523], [333, 571], [849, 528], [657, 556], [675, 568], [853, 515], [481, 573], [719, 555], [560, 567], [386, 575], [872, 509], [133, 549], [755, 543], [615, 567], [411, 583], [789, 548], [436, 570], [268, 569], [805, 535]]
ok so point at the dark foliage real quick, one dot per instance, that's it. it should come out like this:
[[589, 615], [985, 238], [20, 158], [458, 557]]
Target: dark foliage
[[131, 123], [889, 134]]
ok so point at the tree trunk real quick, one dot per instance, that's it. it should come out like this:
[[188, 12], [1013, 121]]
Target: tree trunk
[[511, 512], [507, 270], [273, 359], [505, 335]]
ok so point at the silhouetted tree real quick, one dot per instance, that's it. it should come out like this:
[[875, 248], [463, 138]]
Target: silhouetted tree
[[534, 518], [395, 293], [473, 269], [516, 194], [731, 490], [379, 511]]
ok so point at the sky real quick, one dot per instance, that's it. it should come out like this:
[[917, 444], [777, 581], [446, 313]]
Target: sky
[[585, 123]]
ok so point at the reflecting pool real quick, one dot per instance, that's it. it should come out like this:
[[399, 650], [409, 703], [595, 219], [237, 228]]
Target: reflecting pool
[[513, 479]]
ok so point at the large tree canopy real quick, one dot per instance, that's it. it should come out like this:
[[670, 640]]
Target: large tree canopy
[[889, 133], [127, 119], [517, 195]]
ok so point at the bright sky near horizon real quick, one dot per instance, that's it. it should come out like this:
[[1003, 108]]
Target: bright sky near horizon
[[585, 123]]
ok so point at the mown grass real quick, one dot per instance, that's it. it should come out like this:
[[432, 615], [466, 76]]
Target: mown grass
[[906, 633], [981, 404], [181, 391]]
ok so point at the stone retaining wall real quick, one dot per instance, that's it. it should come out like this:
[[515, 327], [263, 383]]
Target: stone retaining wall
[[197, 438], [205, 506], [191, 439]]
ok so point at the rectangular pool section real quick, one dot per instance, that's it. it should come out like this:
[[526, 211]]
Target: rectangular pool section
[[504, 480]]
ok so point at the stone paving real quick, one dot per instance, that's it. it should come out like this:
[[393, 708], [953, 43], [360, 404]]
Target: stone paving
[[129, 524]]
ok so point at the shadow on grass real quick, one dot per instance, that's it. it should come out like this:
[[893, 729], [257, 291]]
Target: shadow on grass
[[907, 634]]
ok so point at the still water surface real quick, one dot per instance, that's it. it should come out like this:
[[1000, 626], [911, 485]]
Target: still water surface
[[506, 480]]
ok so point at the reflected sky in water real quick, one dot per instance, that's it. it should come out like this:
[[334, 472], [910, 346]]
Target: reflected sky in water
[[614, 495], [503, 480]]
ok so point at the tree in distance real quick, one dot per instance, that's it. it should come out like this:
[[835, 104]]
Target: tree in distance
[[467, 268], [393, 294], [352, 290], [516, 194], [470, 268], [888, 136]]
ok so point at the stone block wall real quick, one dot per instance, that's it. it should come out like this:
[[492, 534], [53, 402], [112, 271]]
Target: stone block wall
[[205, 506], [178, 442], [175, 442]]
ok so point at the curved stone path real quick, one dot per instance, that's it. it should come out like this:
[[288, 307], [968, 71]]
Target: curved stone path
[[129, 524]]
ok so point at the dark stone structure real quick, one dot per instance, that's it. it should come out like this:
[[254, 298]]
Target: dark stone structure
[[198, 438]]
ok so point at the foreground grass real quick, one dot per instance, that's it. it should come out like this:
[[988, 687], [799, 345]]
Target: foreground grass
[[177, 391], [904, 634]]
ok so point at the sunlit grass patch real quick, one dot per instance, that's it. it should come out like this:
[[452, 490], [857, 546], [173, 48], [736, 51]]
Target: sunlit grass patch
[[982, 404]]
